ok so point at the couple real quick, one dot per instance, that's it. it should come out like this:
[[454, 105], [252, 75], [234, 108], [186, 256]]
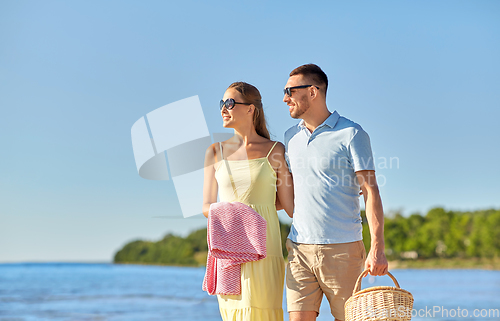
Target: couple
[[330, 159]]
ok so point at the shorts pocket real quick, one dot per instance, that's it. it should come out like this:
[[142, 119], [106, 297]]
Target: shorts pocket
[[289, 248], [287, 244], [362, 250]]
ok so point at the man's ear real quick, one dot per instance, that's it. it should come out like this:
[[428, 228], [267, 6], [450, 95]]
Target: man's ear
[[313, 92]]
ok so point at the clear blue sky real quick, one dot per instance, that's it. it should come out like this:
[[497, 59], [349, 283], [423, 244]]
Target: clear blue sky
[[422, 78]]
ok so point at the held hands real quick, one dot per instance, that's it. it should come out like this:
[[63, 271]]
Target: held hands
[[376, 262]]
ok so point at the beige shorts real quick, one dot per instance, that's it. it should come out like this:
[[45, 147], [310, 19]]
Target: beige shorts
[[314, 269]]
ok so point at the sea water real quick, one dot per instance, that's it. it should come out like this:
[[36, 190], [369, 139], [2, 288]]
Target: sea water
[[77, 291]]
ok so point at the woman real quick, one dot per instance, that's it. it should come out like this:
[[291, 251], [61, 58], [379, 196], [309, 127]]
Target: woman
[[258, 172]]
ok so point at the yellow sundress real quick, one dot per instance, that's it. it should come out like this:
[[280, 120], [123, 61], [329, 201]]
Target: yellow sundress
[[253, 182]]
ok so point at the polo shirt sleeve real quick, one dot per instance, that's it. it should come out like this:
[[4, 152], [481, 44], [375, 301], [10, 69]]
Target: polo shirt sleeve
[[360, 152], [288, 162], [286, 153]]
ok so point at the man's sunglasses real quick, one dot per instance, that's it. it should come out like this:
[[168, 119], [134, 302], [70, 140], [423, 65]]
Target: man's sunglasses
[[288, 90], [229, 103]]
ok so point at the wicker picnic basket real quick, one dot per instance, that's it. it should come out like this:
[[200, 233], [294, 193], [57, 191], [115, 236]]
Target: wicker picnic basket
[[386, 303]]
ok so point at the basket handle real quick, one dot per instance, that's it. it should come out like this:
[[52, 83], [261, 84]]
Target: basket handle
[[357, 287]]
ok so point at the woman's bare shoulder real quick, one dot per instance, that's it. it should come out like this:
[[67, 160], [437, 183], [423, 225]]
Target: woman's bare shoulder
[[278, 147], [211, 154], [277, 155]]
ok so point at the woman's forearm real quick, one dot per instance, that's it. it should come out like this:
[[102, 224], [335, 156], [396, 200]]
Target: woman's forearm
[[206, 209]]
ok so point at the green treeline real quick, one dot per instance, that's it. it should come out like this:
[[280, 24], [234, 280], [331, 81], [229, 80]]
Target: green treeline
[[439, 234], [171, 250]]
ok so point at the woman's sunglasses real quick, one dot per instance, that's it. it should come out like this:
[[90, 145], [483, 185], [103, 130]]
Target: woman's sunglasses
[[288, 90], [229, 103]]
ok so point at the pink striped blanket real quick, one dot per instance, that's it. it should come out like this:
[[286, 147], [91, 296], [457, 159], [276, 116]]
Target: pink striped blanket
[[236, 234]]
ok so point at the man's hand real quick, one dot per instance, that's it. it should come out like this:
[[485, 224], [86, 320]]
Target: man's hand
[[376, 262]]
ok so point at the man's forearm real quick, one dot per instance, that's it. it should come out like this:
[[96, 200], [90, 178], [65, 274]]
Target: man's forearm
[[375, 217]]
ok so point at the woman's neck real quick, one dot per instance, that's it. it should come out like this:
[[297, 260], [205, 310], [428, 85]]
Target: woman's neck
[[246, 135]]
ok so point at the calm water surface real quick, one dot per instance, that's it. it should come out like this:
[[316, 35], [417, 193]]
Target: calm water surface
[[66, 291]]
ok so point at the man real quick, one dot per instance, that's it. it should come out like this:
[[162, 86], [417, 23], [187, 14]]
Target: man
[[330, 158]]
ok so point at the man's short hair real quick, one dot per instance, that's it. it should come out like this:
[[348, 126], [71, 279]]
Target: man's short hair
[[314, 73]]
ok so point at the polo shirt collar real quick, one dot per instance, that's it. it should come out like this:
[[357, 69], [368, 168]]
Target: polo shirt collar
[[331, 121]]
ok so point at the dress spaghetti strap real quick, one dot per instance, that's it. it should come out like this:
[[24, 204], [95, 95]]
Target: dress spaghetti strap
[[271, 149], [228, 170], [221, 154]]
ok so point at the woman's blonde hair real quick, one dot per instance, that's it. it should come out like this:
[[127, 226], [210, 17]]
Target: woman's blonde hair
[[252, 96]]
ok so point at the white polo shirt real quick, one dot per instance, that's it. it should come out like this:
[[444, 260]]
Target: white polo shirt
[[323, 164]]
